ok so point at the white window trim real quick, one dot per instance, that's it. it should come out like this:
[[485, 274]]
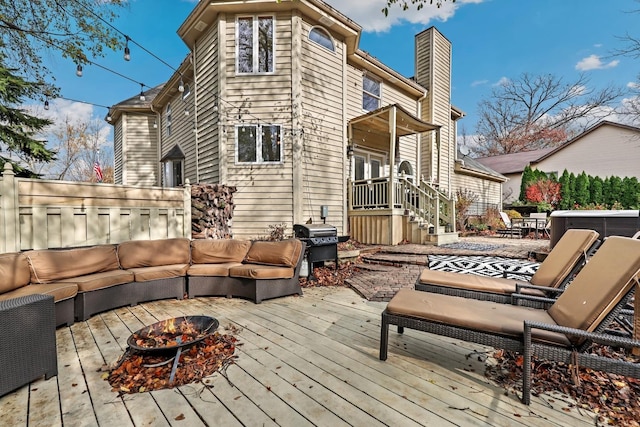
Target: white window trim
[[323, 30], [256, 47], [259, 160], [167, 116]]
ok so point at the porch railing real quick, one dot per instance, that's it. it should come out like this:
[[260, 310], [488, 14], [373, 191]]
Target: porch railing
[[425, 202]]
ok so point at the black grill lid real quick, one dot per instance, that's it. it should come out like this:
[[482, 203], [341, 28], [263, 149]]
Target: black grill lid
[[314, 230]]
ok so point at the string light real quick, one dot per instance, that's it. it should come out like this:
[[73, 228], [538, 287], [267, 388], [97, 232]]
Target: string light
[[142, 97], [79, 70], [127, 51], [46, 104], [181, 86]]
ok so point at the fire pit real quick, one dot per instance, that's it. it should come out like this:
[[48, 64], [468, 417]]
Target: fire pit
[[172, 335]]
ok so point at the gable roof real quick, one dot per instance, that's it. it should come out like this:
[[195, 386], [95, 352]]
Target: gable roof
[[516, 162], [468, 166]]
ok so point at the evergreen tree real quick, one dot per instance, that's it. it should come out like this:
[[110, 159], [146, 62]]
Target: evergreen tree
[[565, 191], [17, 127], [630, 192], [528, 176], [614, 193], [596, 190], [581, 190]]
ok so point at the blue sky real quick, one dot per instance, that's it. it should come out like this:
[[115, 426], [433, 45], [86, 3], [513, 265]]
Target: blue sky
[[492, 40]]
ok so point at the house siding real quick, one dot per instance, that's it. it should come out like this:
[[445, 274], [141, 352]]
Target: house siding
[[117, 152], [488, 191], [139, 146]]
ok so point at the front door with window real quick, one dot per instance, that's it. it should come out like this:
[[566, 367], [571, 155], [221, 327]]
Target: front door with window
[[367, 166]]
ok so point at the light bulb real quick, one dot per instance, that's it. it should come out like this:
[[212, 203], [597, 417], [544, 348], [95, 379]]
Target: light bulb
[[79, 70], [181, 86], [215, 106], [46, 104]]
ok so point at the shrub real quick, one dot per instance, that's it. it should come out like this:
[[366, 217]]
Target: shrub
[[464, 199]]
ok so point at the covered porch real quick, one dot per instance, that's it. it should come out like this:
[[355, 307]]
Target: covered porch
[[388, 200]]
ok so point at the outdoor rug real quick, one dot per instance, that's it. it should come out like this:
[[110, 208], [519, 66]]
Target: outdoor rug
[[484, 266]]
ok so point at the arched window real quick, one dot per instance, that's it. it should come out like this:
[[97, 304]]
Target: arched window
[[321, 36]]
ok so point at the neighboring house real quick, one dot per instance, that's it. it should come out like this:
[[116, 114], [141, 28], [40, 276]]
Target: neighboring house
[[604, 150], [277, 99]]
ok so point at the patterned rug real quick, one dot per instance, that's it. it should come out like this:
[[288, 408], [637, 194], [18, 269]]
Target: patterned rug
[[484, 266]]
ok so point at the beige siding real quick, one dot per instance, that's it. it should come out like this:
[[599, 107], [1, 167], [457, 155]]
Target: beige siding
[[606, 151], [182, 134], [140, 150], [117, 153], [265, 192], [206, 54], [354, 92], [488, 191]]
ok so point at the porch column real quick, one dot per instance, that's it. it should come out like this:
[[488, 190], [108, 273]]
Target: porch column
[[392, 166]]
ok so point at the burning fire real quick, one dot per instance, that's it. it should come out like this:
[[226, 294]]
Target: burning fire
[[168, 333]]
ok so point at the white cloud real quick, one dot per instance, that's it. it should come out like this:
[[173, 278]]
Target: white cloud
[[502, 82], [369, 15], [479, 83], [593, 62], [634, 85]]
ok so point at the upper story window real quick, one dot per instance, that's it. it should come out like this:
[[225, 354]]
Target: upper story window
[[258, 144], [322, 37], [167, 115], [370, 93], [254, 44]]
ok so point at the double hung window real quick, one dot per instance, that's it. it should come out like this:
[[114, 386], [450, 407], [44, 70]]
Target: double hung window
[[370, 93]]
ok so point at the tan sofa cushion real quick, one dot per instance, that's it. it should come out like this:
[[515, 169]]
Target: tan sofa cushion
[[563, 257], [253, 271], [50, 265], [282, 253], [209, 251], [483, 316], [153, 253], [106, 279], [14, 271], [600, 285], [144, 274], [59, 290], [218, 270]]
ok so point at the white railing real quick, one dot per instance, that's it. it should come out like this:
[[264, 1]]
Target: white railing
[[41, 214]]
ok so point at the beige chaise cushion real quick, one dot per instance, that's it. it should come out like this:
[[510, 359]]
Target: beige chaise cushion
[[498, 285], [563, 257], [50, 265], [601, 284], [209, 251], [153, 253], [14, 271], [58, 290], [482, 316], [283, 253], [257, 271]]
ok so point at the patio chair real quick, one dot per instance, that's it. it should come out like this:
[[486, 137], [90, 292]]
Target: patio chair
[[558, 268], [510, 229], [562, 333]]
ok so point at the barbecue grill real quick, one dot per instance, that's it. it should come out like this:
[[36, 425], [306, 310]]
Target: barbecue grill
[[322, 243]]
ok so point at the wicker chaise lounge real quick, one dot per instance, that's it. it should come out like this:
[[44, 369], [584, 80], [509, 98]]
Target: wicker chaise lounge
[[562, 263], [576, 319]]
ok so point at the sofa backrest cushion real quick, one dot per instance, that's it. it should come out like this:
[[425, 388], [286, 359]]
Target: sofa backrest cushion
[[209, 251], [48, 265], [14, 271], [154, 253], [285, 253]]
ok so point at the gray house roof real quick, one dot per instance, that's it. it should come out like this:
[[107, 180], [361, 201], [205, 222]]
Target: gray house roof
[[472, 165], [514, 162]]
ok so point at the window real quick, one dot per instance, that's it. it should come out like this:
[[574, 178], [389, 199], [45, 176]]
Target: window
[[173, 173], [254, 43], [370, 93], [258, 144], [322, 37], [167, 114]]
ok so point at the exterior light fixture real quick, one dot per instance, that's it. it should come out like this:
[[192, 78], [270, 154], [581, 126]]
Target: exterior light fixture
[[142, 97], [79, 70], [46, 104], [127, 51], [181, 86]]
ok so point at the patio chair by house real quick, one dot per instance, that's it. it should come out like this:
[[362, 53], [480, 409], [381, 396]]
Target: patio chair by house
[[561, 264], [562, 333], [510, 229]]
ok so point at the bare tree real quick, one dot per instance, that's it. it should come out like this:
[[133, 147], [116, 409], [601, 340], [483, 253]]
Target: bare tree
[[538, 111], [405, 4]]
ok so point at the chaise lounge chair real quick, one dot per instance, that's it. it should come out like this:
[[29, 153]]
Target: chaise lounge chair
[[566, 329], [562, 263]]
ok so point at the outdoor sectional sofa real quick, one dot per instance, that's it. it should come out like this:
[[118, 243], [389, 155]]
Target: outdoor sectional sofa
[[88, 280]]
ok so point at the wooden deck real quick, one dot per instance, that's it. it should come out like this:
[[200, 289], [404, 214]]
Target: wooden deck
[[310, 360]]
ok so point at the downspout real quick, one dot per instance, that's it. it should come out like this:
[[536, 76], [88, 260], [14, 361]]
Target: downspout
[[195, 110]]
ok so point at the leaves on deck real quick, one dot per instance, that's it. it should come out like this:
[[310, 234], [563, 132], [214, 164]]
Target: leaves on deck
[[614, 398], [329, 276], [210, 355]]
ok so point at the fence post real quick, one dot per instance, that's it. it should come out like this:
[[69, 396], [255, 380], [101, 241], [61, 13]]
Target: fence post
[[9, 214], [186, 222]]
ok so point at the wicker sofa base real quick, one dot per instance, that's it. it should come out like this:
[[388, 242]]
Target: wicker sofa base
[[254, 289], [65, 315], [28, 351]]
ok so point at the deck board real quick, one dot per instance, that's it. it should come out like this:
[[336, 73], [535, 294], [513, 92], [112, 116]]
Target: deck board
[[310, 360]]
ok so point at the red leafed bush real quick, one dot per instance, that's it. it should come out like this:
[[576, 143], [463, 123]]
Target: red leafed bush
[[544, 191]]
